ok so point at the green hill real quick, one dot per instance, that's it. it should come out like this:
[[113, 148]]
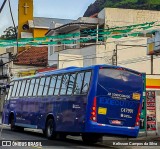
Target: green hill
[[98, 5]]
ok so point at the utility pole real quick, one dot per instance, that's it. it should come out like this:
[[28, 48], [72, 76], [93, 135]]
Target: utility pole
[[114, 57]]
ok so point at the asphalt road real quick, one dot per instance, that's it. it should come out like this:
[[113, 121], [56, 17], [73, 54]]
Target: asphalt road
[[37, 136], [70, 143]]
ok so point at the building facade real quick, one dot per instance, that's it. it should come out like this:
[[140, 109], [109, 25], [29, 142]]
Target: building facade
[[130, 52], [32, 27]]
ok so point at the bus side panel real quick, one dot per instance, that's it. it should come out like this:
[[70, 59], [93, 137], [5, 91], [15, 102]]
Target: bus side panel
[[10, 106], [69, 113], [42, 113], [5, 114]]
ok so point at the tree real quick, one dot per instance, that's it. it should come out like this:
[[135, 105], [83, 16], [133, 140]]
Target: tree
[[10, 33], [143, 1]]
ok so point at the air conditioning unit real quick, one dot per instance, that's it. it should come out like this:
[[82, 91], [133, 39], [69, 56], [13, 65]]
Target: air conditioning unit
[[55, 25]]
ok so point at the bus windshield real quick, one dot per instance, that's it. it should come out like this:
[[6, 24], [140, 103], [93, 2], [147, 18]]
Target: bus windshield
[[121, 81]]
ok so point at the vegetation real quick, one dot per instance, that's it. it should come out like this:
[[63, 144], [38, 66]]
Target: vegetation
[[10, 33], [98, 5]]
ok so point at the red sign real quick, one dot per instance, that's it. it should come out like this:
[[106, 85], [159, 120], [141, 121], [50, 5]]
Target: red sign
[[151, 110]]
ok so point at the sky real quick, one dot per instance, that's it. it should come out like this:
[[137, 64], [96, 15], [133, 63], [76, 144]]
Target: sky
[[65, 9]]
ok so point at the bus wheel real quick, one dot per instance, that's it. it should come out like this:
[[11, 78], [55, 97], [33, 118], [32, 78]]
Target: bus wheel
[[50, 129], [91, 138], [12, 126]]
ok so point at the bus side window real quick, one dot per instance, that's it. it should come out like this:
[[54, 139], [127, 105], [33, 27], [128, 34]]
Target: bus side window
[[86, 82], [14, 88], [22, 88], [58, 85], [18, 88], [79, 81], [10, 90], [46, 86], [31, 87], [64, 84], [26, 87], [41, 86], [71, 84], [52, 85], [36, 87]]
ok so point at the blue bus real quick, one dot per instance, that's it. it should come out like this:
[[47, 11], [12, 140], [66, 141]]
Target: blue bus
[[91, 101]]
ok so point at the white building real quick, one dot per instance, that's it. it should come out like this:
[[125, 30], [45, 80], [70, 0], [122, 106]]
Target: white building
[[86, 50]]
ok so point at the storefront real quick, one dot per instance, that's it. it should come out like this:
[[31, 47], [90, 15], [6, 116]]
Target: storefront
[[153, 105]]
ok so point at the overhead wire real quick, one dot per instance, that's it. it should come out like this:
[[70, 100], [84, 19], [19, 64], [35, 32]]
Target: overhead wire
[[137, 61], [3, 4], [67, 60], [72, 59], [13, 23], [89, 33], [129, 61]]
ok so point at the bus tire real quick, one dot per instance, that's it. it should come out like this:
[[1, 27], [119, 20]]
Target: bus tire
[[61, 136], [91, 138], [19, 128], [12, 126], [50, 129]]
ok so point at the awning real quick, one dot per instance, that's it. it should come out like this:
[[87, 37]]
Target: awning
[[152, 83]]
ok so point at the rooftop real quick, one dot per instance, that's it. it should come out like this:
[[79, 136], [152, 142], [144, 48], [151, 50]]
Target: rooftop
[[82, 22], [34, 56], [46, 22]]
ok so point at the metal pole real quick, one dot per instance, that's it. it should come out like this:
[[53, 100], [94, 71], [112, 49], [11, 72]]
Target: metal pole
[[116, 53], [113, 57], [151, 64], [97, 34]]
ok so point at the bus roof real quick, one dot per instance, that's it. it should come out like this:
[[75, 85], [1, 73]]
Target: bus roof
[[72, 69]]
